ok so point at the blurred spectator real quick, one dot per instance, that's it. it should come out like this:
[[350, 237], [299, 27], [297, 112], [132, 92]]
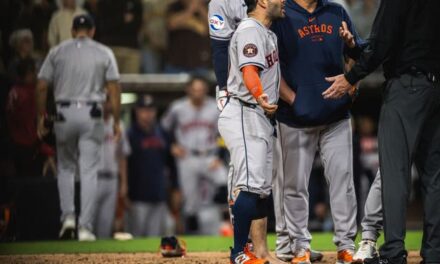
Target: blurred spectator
[[188, 41], [91, 6], [154, 35], [362, 14], [22, 42], [192, 121], [36, 16], [9, 13], [21, 120], [61, 23], [113, 164], [147, 172], [120, 22], [369, 146]]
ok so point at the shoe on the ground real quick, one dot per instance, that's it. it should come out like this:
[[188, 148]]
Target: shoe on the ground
[[301, 256], [85, 235], [314, 256], [246, 257], [345, 256], [172, 247], [401, 259], [367, 250], [68, 228]]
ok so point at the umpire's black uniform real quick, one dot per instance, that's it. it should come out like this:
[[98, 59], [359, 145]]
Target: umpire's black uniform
[[406, 39]]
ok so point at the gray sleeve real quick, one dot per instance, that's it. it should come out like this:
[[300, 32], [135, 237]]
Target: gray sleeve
[[111, 71], [47, 69], [124, 144], [169, 119], [250, 48], [221, 20]]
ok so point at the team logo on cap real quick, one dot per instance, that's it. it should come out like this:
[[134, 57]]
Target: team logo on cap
[[216, 22], [250, 50]]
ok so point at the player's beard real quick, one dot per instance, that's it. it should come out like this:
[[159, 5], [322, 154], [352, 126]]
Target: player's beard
[[275, 10]]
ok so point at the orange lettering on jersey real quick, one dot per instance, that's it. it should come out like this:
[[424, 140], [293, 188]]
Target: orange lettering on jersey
[[330, 29], [306, 30], [317, 29]]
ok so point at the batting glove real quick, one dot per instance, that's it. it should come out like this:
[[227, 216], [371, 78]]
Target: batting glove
[[222, 97]]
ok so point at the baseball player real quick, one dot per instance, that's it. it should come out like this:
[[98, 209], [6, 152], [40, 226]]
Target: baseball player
[[80, 69], [192, 121], [244, 123], [311, 46], [113, 164], [224, 17]]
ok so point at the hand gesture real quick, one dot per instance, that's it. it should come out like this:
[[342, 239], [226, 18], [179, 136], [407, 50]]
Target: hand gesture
[[263, 101], [346, 35]]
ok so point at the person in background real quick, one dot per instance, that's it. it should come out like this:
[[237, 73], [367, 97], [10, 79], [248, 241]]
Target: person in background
[[148, 176], [120, 23], [188, 42], [22, 43], [61, 22], [192, 123], [112, 175]]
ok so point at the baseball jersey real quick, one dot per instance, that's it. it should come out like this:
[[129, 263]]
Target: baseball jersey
[[112, 150], [224, 17], [194, 129], [310, 50], [79, 69], [254, 44]]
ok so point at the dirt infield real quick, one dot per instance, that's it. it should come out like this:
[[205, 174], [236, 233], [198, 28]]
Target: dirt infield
[[193, 258]]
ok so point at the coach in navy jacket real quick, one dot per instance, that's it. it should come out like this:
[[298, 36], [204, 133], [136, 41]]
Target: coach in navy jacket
[[315, 40]]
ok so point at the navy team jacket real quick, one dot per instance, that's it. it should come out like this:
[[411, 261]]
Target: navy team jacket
[[310, 50]]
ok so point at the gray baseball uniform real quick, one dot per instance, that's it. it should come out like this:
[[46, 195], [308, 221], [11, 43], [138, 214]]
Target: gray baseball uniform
[[294, 156], [111, 153], [247, 132], [372, 222], [195, 130], [224, 17], [79, 69]]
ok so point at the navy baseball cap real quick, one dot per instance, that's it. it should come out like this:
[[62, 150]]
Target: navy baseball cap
[[83, 22], [145, 100]]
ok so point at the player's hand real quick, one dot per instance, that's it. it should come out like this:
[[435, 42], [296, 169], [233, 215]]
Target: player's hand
[[222, 98], [116, 132], [346, 35], [178, 151], [41, 128], [339, 87], [263, 101]]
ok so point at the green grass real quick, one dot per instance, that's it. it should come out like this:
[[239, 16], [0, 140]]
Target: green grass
[[321, 241]]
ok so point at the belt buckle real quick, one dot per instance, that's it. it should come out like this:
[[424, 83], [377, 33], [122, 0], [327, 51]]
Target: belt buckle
[[78, 104]]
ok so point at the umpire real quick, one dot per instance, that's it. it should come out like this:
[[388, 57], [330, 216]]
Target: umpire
[[406, 39], [79, 69]]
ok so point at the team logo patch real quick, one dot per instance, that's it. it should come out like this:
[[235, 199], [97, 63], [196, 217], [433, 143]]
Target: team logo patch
[[216, 22], [250, 50]]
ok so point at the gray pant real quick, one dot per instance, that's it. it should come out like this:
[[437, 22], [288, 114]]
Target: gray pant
[[295, 152], [79, 139], [198, 181], [372, 221], [147, 219], [409, 130], [106, 205]]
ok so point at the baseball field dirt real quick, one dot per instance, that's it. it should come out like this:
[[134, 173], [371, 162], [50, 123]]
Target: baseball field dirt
[[193, 258]]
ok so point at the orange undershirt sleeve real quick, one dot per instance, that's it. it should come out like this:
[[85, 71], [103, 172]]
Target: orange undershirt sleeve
[[252, 81]]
